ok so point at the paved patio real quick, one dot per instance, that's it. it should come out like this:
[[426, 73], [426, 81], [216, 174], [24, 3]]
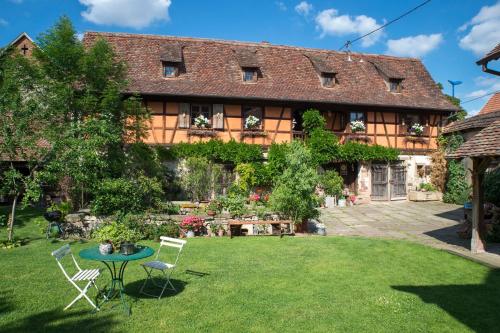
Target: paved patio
[[431, 223]]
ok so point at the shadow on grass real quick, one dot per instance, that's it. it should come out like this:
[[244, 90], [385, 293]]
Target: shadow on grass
[[5, 303], [475, 305], [133, 288], [59, 321]]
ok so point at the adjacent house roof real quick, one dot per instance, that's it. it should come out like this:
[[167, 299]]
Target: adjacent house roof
[[475, 122], [213, 69], [485, 143], [492, 105], [492, 55]]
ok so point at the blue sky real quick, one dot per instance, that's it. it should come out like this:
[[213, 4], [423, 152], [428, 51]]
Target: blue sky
[[448, 35]]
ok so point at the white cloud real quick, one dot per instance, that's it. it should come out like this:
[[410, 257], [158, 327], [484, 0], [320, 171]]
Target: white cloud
[[491, 83], [3, 23], [17, 1], [414, 46], [477, 93], [484, 31], [304, 8], [126, 13], [281, 5], [330, 23]]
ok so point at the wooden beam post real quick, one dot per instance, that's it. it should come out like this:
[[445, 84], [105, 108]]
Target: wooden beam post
[[478, 244]]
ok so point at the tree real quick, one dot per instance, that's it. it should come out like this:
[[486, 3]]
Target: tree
[[461, 113], [26, 131], [96, 121], [293, 195]]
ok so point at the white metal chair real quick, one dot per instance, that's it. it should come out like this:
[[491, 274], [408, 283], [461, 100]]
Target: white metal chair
[[87, 275], [164, 267]]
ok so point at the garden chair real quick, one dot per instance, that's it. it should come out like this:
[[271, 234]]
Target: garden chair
[[86, 275], [164, 267]]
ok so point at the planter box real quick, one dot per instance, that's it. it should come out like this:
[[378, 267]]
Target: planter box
[[425, 196]]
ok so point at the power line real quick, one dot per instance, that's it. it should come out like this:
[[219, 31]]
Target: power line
[[475, 98], [350, 42]]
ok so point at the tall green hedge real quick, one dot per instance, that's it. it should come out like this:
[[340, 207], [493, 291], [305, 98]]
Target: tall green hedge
[[214, 150]]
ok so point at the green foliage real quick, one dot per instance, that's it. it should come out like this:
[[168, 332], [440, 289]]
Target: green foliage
[[427, 187], [148, 229], [492, 187], [324, 146], [127, 195], [276, 159], [331, 182], [354, 151], [195, 178], [311, 120], [457, 190], [293, 195], [217, 151], [461, 113], [234, 204], [450, 143], [116, 233], [246, 177], [64, 207]]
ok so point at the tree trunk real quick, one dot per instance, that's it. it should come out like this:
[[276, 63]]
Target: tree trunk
[[12, 217]]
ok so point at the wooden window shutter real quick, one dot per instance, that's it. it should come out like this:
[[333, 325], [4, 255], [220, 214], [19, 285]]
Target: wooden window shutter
[[218, 116], [184, 115]]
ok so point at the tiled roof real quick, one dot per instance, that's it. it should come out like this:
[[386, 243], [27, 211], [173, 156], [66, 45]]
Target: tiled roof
[[478, 121], [492, 105], [492, 55], [484, 143], [212, 69]]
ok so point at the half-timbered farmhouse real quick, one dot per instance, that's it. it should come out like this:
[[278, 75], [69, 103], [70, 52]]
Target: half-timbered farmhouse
[[226, 81]]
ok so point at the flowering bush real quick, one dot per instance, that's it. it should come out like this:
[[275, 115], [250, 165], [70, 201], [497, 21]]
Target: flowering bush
[[251, 122], [201, 121], [254, 197], [193, 223], [417, 129], [357, 126]]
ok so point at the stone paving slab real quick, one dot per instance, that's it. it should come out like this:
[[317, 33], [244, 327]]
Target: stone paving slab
[[430, 223]]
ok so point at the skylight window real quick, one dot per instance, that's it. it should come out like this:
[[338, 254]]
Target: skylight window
[[249, 75]]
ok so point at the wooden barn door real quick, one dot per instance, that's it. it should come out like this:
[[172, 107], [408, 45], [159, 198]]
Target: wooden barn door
[[398, 181], [379, 182]]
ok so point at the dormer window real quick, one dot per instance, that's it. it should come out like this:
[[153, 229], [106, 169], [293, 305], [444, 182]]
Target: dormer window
[[249, 75], [327, 80], [395, 85], [170, 70], [171, 59]]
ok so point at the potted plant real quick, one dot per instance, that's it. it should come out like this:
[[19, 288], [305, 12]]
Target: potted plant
[[417, 129], [357, 126], [201, 121], [191, 224], [342, 201], [113, 235], [252, 122], [217, 229], [214, 207], [331, 183]]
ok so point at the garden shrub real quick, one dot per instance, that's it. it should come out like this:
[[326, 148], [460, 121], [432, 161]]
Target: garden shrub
[[427, 187], [324, 146], [216, 151], [293, 195], [276, 159], [355, 152], [438, 170], [117, 233], [312, 119], [246, 177], [492, 187], [234, 204], [201, 178], [457, 190], [331, 182], [127, 195]]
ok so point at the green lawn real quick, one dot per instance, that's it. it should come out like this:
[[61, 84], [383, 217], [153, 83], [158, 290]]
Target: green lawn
[[320, 284]]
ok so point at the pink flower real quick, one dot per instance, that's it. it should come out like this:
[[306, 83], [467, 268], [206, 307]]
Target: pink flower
[[192, 223], [254, 197]]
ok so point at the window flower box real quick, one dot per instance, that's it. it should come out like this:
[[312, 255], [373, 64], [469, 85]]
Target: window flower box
[[253, 133], [357, 126], [252, 122], [201, 122], [207, 132]]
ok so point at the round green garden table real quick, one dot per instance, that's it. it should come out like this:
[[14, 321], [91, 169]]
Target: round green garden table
[[111, 261]]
